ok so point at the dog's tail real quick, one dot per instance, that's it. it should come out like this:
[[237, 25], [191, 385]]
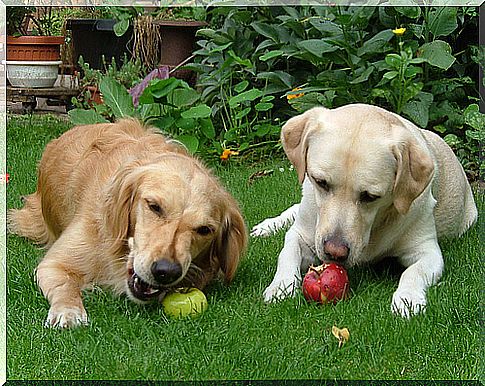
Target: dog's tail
[[29, 222], [272, 225]]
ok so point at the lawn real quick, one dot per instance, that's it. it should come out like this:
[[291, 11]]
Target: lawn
[[239, 336]]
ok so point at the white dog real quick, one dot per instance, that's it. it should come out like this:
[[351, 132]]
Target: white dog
[[374, 185]]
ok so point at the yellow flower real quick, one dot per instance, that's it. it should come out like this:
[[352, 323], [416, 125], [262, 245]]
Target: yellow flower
[[293, 96], [399, 31], [227, 153]]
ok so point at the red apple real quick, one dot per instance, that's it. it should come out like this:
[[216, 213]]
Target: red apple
[[326, 283]]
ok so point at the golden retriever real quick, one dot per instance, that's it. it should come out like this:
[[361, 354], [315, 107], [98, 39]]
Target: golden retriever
[[374, 185], [119, 205]]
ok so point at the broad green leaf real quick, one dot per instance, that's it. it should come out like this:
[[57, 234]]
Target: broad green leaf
[[243, 113], [213, 35], [443, 21], [184, 97], [409, 11], [186, 124], [376, 44], [249, 95], [85, 117], [364, 76], [393, 60], [189, 141], [164, 123], [418, 109], [241, 86], [280, 77], [207, 128], [452, 140], [270, 55], [265, 30], [317, 47], [238, 59], [267, 98], [159, 88], [117, 98], [390, 75], [437, 53], [200, 111], [263, 106], [121, 27], [474, 117], [411, 71]]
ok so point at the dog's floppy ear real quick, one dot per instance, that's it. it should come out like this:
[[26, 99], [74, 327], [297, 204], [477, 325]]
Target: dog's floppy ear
[[231, 241], [117, 210], [414, 172], [294, 139]]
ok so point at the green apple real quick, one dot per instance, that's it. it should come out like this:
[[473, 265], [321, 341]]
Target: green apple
[[184, 302]]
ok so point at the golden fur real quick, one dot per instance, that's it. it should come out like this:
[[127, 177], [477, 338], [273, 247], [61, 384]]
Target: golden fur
[[112, 200]]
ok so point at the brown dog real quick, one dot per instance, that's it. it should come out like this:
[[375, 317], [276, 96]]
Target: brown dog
[[120, 205]]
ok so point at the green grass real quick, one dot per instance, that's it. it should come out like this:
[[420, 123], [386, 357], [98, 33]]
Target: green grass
[[240, 337]]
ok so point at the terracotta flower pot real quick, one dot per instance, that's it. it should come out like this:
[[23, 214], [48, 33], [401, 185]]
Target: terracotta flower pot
[[96, 96], [34, 48]]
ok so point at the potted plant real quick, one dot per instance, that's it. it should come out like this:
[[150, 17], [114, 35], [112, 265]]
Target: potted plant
[[163, 36], [32, 59]]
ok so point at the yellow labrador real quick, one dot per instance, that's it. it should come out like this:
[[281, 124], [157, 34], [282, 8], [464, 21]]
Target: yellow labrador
[[374, 185]]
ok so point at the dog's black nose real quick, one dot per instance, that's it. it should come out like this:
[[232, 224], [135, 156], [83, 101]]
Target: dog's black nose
[[165, 271]]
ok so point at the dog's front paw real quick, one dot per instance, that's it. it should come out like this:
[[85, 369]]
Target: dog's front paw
[[264, 229], [66, 317], [407, 303], [280, 289]]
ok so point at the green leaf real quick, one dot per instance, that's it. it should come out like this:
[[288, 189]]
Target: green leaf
[[213, 35], [378, 43], [270, 55], [279, 77], [238, 59], [85, 117], [364, 76], [186, 124], [418, 109], [265, 30], [117, 98], [241, 86], [165, 123], [443, 21], [207, 128], [393, 60], [267, 98], [390, 75], [200, 111], [474, 118], [317, 47], [243, 113], [410, 11], [249, 95], [159, 88], [184, 97], [263, 106], [189, 141], [121, 27], [437, 53]]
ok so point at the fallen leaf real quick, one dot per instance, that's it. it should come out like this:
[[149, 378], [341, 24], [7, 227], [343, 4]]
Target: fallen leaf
[[259, 174], [342, 335]]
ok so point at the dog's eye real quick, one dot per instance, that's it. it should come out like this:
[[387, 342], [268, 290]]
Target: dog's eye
[[367, 197], [203, 230], [322, 184], [155, 208]]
